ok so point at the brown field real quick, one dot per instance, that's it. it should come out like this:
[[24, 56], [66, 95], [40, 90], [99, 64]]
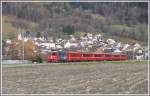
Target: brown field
[[76, 79]]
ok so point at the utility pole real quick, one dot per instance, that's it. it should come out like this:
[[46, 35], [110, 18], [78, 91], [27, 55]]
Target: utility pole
[[22, 46], [133, 54]]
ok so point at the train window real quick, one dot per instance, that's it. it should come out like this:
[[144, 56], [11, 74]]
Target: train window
[[98, 55], [87, 55], [53, 53], [116, 55], [107, 55], [122, 55], [84, 55]]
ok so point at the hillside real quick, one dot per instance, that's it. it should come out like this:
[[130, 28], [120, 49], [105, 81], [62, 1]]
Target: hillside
[[122, 21]]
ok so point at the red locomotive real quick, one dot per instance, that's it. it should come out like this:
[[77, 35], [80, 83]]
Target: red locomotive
[[79, 56]]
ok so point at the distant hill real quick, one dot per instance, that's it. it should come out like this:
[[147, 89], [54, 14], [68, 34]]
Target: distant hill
[[127, 21]]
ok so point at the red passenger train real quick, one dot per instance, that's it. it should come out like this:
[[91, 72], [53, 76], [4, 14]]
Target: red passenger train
[[79, 56]]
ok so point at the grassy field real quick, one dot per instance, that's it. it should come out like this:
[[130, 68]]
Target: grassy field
[[106, 77], [85, 63]]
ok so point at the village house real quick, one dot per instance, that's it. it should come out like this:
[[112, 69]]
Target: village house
[[86, 43]]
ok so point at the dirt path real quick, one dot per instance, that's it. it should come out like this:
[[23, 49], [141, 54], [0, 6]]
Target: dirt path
[[76, 79]]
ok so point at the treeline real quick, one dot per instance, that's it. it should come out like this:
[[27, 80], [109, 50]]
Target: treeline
[[119, 12], [124, 19]]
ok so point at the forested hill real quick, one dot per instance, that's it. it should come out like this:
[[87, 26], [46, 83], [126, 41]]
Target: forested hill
[[121, 19]]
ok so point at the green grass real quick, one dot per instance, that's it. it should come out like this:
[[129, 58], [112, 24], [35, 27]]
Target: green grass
[[78, 63], [114, 62], [121, 27], [125, 62]]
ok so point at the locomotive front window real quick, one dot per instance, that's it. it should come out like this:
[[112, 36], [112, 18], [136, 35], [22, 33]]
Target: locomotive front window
[[62, 54], [74, 55]]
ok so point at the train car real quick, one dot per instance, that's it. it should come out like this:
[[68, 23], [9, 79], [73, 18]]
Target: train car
[[79, 56]]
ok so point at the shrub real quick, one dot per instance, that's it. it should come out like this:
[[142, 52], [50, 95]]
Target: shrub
[[68, 30], [37, 58]]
